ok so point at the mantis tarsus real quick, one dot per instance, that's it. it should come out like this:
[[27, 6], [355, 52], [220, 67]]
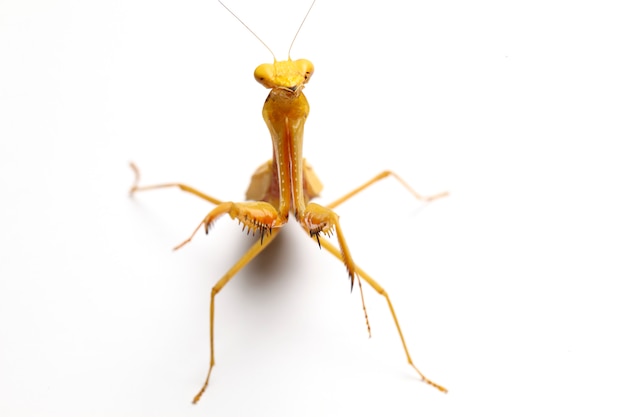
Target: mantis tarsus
[[285, 185]]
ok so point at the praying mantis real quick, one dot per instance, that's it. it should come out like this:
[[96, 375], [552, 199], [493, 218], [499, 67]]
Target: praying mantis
[[285, 186]]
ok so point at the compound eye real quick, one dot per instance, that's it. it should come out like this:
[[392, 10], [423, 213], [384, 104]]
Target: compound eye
[[264, 74], [305, 67]]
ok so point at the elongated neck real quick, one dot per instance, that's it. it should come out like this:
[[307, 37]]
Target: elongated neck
[[284, 113]]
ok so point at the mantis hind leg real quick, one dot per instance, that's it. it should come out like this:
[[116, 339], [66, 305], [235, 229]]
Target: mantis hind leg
[[379, 177], [243, 261], [135, 187], [360, 273], [254, 215]]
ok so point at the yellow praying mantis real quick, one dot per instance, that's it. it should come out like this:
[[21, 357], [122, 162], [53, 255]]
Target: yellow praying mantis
[[285, 185]]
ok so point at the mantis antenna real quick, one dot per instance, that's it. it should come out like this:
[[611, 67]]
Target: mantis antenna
[[298, 31], [251, 31], [261, 40]]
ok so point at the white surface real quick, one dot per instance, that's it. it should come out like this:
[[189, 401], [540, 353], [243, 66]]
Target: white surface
[[510, 292]]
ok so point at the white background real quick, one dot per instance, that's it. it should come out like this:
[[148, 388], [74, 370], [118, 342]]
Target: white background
[[510, 291]]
